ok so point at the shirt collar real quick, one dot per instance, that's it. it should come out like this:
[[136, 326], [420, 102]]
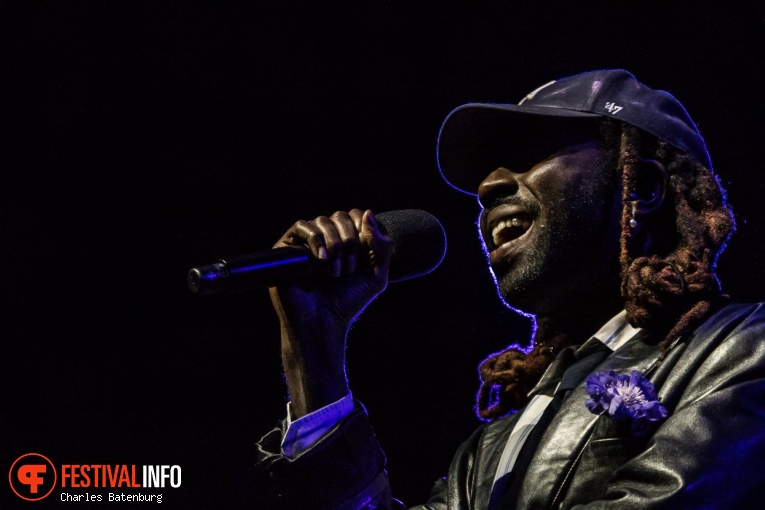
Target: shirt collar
[[613, 335], [616, 331]]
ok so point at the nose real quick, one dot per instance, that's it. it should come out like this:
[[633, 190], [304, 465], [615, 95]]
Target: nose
[[500, 183]]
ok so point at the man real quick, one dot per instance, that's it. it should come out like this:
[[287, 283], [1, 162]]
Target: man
[[644, 389]]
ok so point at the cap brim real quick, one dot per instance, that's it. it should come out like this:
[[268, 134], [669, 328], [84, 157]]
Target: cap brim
[[471, 133]]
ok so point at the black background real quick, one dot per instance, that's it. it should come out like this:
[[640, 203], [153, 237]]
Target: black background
[[143, 138]]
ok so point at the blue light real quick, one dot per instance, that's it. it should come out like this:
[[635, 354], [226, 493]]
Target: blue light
[[244, 269]]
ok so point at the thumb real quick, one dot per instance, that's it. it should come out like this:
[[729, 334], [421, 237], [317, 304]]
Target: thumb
[[379, 244]]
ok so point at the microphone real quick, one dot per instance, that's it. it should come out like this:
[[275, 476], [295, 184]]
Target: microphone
[[419, 246]]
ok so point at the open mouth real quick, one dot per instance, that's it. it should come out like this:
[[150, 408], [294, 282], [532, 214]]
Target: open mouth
[[508, 228]]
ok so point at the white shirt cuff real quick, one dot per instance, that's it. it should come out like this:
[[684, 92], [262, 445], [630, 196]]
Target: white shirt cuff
[[308, 429]]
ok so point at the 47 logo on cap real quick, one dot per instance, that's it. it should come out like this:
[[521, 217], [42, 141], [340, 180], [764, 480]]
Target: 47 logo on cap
[[32, 477], [613, 108]]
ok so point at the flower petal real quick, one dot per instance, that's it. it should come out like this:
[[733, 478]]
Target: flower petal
[[625, 397]]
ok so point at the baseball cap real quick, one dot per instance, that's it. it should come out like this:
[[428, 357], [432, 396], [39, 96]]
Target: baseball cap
[[615, 93]]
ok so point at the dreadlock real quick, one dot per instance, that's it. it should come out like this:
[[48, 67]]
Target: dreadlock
[[672, 289]]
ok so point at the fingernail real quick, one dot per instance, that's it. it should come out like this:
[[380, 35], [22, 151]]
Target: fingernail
[[351, 263], [322, 253], [337, 267]]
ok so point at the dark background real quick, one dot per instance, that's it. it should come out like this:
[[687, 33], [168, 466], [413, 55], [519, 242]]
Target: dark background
[[143, 138]]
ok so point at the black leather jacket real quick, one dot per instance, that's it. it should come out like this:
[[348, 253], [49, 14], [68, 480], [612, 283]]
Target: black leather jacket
[[708, 453]]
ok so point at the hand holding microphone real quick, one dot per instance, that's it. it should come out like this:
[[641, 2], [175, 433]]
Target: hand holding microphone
[[419, 247], [321, 274]]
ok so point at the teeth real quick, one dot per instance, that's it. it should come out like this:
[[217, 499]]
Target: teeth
[[499, 226], [514, 222]]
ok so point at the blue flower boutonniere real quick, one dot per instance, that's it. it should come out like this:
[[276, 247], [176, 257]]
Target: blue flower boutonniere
[[624, 398]]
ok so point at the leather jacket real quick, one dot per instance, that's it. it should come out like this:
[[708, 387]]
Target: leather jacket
[[708, 453]]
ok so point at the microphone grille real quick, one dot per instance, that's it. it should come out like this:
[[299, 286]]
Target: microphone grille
[[419, 242]]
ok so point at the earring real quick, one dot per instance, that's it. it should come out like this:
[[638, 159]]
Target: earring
[[633, 221]]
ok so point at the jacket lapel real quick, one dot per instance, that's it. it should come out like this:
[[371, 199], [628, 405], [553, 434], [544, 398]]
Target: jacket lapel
[[570, 429]]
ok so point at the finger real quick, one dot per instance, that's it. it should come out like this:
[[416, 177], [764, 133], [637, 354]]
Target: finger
[[333, 242], [349, 236], [303, 233], [356, 215], [380, 245]]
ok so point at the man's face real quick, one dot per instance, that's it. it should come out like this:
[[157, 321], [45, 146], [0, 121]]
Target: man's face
[[550, 223]]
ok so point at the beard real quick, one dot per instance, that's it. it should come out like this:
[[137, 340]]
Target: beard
[[572, 250]]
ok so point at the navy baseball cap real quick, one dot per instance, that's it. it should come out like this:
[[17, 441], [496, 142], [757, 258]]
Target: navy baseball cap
[[472, 128]]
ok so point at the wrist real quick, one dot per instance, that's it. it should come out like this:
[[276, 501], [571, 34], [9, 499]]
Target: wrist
[[314, 369]]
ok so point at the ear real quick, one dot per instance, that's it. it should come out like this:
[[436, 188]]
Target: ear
[[650, 187]]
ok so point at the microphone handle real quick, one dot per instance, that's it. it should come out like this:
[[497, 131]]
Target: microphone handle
[[419, 247], [267, 268]]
